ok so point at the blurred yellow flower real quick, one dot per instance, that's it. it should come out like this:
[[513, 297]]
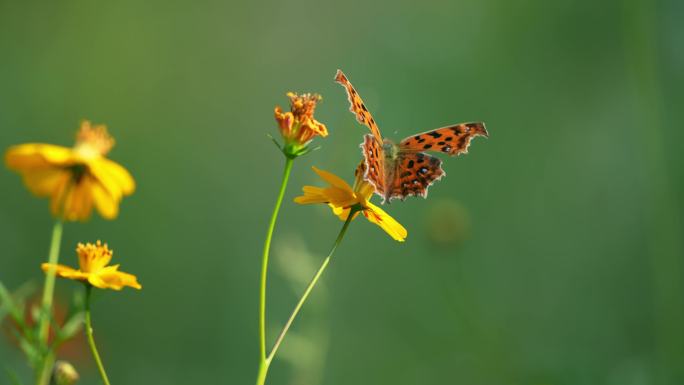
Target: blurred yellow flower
[[75, 178], [342, 198], [298, 127], [93, 269]]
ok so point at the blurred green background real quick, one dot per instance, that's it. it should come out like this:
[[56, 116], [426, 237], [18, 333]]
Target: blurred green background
[[551, 254]]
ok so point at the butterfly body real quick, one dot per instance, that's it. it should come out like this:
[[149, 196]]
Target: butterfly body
[[390, 149], [398, 171]]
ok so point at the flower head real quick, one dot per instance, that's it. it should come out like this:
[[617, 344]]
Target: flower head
[[64, 373], [75, 179], [93, 269], [342, 199], [298, 127]]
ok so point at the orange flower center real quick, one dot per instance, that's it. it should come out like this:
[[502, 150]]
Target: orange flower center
[[93, 257], [93, 141], [303, 105]]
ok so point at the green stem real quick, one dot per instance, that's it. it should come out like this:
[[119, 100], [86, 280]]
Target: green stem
[[264, 262], [49, 288], [46, 304], [265, 364], [46, 370], [91, 340]]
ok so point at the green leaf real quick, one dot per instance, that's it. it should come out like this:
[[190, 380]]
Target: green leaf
[[9, 306], [72, 326]]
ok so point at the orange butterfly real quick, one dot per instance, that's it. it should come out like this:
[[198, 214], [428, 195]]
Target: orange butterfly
[[404, 170]]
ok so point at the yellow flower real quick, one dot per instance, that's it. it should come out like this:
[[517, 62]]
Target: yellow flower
[[75, 178], [342, 198], [93, 269], [298, 127]]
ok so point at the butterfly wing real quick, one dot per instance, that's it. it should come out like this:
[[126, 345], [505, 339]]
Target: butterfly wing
[[374, 164], [452, 140], [414, 173], [357, 107]]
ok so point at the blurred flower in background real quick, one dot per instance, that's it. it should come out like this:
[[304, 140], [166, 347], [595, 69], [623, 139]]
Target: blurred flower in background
[[74, 178], [447, 223], [64, 373]]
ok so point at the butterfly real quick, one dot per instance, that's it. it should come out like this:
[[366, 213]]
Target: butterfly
[[398, 171]]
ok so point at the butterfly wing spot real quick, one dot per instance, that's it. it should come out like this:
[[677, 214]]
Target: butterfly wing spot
[[452, 140]]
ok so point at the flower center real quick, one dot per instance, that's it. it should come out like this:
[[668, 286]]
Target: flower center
[[303, 105], [93, 141], [93, 257]]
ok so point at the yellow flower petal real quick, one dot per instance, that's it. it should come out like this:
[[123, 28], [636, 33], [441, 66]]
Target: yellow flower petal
[[64, 271], [116, 280], [44, 181], [378, 216], [78, 201], [333, 179], [340, 197], [114, 177], [312, 195], [106, 205], [37, 155]]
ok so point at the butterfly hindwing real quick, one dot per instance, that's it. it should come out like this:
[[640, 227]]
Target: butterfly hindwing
[[357, 107], [374, 158], [452, 140], [414, 173]]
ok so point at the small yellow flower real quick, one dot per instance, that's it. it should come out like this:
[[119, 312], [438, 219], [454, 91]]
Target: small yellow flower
[[75, 178], [342, 198], [298, 127], [93, 269]]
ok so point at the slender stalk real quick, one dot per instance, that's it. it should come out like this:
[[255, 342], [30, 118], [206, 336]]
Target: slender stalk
[[43, 376], [263, 368], [46, 370], [49, 287], [91, 340], [264, 263]]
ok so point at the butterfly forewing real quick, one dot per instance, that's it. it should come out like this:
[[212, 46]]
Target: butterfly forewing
[[452, 140], [414, 173], [357, 107]]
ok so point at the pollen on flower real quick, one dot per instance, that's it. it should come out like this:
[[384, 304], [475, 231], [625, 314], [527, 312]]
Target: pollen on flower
[[93, 250], [304, 104], [93, 140], [93, 255]]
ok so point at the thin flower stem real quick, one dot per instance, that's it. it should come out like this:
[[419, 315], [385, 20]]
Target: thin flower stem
[[43, 376], [46, 370], [91, 340], [49, 288], [264, 263], [262, 373]]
